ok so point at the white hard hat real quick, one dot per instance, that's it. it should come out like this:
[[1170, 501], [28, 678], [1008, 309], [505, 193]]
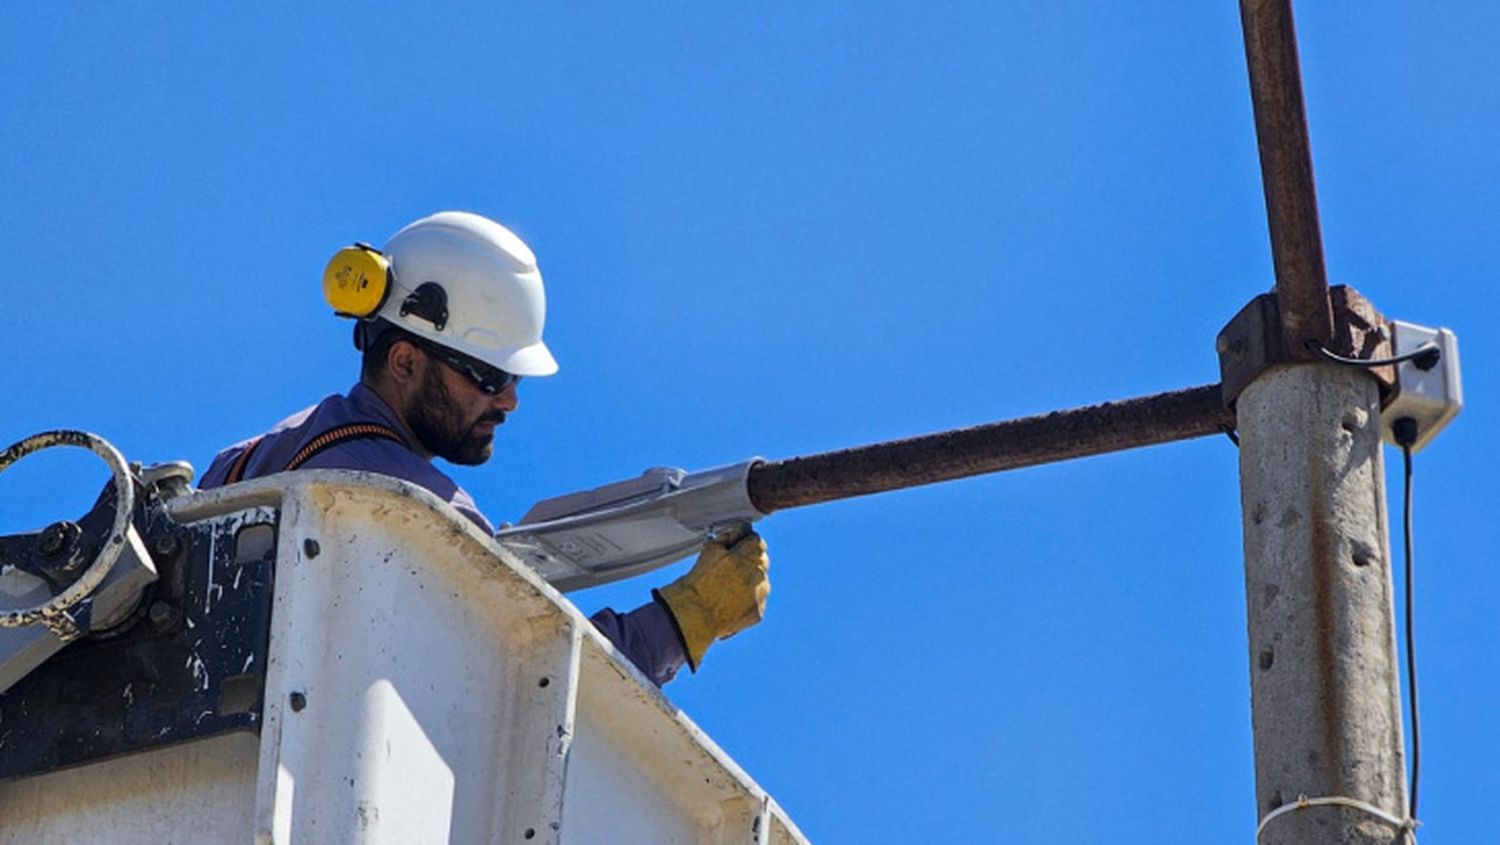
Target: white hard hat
[[465, 282]]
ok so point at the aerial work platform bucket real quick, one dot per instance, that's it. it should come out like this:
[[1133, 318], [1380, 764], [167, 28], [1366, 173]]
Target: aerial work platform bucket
[[336, 656]]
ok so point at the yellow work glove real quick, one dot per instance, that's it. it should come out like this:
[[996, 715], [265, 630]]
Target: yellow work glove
[[724, 593]]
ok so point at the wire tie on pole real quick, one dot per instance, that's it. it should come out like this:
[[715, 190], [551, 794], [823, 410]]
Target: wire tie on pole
[[1408, 825]]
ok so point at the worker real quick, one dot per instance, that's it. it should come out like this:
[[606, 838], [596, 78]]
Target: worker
[[449, 320]]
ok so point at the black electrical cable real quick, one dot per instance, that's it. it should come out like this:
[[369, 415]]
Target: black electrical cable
[[1405, 431], [1425, 357]]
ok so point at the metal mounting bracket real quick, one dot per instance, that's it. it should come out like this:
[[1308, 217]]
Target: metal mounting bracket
[[1252, 342]]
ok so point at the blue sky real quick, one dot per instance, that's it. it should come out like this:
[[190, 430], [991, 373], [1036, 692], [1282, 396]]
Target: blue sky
[[782, 228]]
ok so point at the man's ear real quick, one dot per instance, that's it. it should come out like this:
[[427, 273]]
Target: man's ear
[[404, 362]]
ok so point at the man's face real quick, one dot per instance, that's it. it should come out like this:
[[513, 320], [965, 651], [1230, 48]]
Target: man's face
[[453, 418]]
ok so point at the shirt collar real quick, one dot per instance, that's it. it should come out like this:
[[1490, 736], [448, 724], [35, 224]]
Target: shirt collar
[[367, 401]]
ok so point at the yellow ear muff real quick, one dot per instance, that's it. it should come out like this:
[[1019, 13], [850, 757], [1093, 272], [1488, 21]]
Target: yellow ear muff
[[357, 281]]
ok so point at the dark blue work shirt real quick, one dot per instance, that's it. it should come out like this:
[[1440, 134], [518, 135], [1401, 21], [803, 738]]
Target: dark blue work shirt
[[646, 635]]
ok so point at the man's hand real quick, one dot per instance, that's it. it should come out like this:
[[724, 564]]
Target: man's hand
[[724, 593]]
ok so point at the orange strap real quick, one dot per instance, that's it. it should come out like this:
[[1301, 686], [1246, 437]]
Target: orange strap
[[324, 441], [237, 469], [342, 434]]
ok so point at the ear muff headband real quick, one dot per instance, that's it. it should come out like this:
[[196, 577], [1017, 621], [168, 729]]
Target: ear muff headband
[[357, 281]]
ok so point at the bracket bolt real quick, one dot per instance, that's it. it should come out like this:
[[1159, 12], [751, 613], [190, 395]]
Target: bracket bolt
[[163, 615], [57, 537], [166, 545]]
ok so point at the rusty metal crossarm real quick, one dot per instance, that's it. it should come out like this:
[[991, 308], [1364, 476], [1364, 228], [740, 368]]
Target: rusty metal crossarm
[[1012, 444], [1287, 174]]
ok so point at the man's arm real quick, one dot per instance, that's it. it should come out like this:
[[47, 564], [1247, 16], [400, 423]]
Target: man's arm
[[724, 593], [646, 635]]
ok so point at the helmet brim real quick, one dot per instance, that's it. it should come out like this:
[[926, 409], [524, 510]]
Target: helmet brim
[[530, 361]]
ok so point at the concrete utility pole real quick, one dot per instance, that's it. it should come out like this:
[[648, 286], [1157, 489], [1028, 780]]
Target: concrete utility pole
[[1325, 702], [1325, 694]]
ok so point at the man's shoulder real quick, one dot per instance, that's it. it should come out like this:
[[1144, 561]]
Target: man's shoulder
[[333, 409], [278, 445], [344, 431]]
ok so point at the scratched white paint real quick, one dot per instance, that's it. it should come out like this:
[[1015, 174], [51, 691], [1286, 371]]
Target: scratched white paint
[[417, 652], [213, 552]]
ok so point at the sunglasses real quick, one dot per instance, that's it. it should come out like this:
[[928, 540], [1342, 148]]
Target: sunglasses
[[492, 380]]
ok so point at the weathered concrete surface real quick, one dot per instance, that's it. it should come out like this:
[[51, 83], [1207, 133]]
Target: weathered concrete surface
[[1325, 693]]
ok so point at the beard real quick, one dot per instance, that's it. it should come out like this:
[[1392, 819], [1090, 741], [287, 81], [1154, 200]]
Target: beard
[[438, 422]]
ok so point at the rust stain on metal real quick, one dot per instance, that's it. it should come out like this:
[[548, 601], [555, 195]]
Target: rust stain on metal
[[1287, 172], [1012, 444], [45, 440], [1360, 331], [1253, 340]]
